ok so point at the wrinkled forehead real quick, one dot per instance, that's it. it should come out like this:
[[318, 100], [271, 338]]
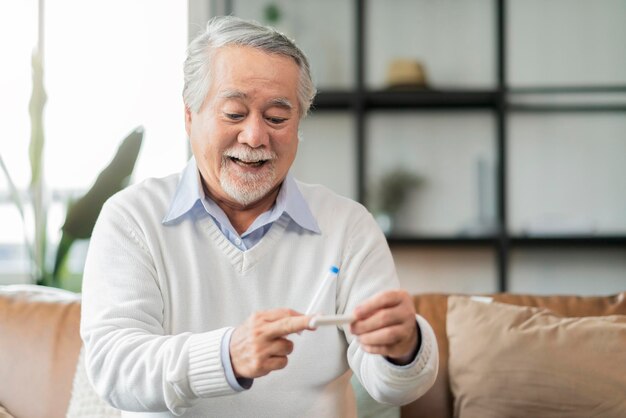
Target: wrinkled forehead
[[234, 94], [245, 73]]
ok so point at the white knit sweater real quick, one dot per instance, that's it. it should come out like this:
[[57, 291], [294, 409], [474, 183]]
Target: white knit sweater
[[157, 300]]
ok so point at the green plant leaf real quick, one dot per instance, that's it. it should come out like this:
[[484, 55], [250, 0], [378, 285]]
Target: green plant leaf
[[35, 150], [394, 188], [35, 108], [272, 13], [82, 215], [62, 250]]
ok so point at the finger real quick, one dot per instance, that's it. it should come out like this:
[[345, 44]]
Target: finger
[[376, 349], [382, 300], [289, 325], [276, 314], [280, 347], [249, 357], [385, 336], [276, 363], [380, 319]]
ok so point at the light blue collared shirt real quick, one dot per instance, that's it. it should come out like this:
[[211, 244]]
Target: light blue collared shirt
[[289, 201]]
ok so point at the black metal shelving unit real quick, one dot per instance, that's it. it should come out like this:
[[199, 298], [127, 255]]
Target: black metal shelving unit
[[360, 102]]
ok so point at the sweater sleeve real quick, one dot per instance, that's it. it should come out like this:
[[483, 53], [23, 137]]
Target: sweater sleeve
[[368, 269], [130, 360]]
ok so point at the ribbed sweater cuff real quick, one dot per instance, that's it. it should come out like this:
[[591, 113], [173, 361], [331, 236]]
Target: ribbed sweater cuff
[[425, 358], [206, 372]]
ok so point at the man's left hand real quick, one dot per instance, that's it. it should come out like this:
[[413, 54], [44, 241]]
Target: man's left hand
[[385, 324]]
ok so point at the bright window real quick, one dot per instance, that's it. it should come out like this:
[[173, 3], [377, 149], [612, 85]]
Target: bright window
[[109, 67]]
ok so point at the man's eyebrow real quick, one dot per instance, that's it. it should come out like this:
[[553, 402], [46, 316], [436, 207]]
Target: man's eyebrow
[[232, 94], [281, 102]]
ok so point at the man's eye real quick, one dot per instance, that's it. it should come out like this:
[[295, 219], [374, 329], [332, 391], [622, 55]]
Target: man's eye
[[234, 116], [276, 121]]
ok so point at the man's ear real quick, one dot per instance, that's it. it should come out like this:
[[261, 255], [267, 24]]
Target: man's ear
[[188, 116]]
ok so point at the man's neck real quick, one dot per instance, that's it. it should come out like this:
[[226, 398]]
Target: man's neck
[[242, 216]]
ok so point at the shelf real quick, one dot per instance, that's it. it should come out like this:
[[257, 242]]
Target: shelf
[[545, 108], [617, 241], [566, 89], [460, 242], [333, 100], [588, 241], [437, 99], [442, 100], [407, 99], [580, 99]]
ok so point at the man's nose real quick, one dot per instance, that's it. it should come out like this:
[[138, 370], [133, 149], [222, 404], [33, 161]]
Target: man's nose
[[254, 132]]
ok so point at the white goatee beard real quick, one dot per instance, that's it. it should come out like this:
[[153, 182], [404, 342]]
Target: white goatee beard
[[247, 188]]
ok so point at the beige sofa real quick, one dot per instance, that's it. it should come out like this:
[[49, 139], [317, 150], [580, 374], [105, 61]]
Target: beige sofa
[[40, 344]]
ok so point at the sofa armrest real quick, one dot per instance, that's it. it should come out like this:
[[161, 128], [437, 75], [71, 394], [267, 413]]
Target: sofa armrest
[[39, 347]]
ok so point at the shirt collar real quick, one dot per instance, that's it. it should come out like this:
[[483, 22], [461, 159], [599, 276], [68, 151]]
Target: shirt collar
[[289, 200], [295, 205], [188, 192]]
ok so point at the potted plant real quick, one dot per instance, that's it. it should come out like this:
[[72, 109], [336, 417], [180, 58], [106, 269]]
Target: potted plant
[[393, 190]]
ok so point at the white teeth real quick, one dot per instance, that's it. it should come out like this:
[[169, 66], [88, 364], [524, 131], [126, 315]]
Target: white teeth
[[249, 157], [252, 163]]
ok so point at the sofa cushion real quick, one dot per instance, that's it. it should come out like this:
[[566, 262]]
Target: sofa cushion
[[41, 356], [511, 361], [438, 401]]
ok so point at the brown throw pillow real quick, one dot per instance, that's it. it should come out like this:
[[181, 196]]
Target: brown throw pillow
[[512, 361]]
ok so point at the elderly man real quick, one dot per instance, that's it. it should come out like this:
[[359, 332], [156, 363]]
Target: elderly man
[[196, 285]]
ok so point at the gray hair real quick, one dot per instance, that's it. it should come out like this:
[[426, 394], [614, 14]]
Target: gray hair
[[229, 30]]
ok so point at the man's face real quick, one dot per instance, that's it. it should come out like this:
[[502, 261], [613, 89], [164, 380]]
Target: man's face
[[245, 135]]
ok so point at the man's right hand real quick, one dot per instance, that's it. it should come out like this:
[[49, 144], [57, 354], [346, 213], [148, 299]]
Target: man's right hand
[[258, 346]]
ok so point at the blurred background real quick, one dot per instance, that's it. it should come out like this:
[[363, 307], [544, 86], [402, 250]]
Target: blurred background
[[487, 137]]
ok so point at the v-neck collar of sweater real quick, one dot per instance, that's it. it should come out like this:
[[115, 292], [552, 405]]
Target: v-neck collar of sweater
[[245, 260]]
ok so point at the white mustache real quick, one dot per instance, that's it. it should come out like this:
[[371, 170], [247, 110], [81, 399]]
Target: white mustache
[[250, 154]]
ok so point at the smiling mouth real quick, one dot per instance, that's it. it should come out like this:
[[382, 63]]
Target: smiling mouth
[[243, 163]]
